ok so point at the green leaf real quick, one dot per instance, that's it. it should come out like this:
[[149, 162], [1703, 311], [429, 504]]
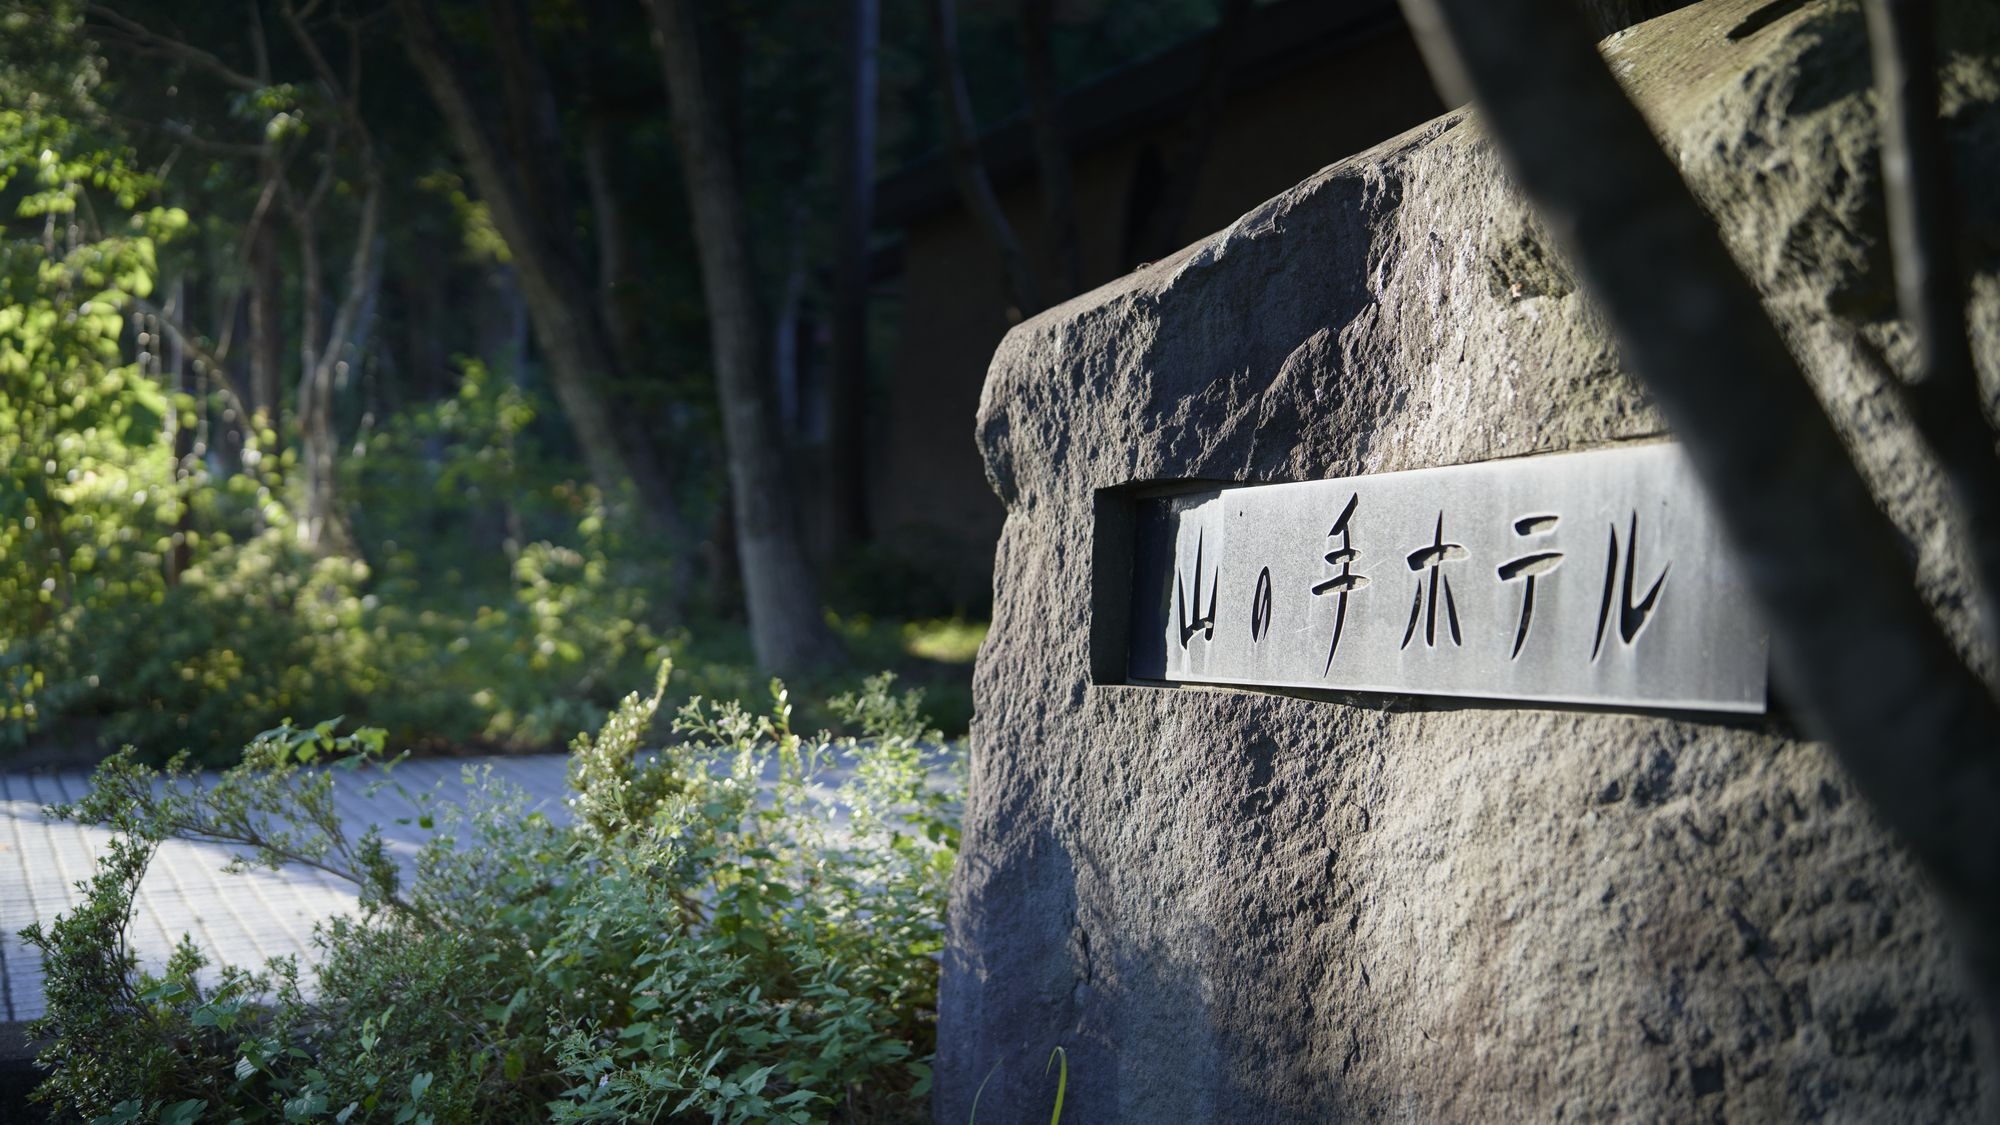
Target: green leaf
[[165, 992], [1062, 1082], [183, 1113], [125, 1112]]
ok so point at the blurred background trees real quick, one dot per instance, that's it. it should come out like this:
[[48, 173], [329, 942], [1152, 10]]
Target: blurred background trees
[[444, 363]]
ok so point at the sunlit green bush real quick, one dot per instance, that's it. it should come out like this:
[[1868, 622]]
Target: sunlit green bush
[[701, 943], [89, 495], [489, 599], [458, 632]]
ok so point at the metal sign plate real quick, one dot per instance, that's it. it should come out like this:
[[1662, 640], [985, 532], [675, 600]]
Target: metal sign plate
[[1593, 578]]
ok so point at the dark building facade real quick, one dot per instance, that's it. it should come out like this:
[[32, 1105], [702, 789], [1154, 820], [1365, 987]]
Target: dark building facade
[[1312, 81]]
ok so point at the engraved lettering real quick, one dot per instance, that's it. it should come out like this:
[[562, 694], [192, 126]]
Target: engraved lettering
[[1344, 583], [1200, 622], [1432, 558], [1529, 568], [1632, 616], [1260, 606]]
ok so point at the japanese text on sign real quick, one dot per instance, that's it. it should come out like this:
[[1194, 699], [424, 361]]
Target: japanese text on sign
[[1595, 578]]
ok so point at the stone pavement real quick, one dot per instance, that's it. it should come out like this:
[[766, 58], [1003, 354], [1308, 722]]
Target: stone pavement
[[241, 918]]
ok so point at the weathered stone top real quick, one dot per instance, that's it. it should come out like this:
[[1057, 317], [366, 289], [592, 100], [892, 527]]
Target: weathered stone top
[[1233, 906]]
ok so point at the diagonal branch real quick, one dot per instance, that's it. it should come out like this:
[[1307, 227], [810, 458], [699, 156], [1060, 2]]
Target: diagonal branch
[[962, 148], [1164, 228], [321, 358], [183, 133], [260, 48], [1916, 729], [137, 37], [194, 347], [274, 168]]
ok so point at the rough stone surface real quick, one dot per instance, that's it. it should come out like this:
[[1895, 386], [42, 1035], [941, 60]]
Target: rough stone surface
[[1239, 907]]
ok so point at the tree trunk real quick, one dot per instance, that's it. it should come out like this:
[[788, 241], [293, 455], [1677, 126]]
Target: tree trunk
[[786, 627], [423, 305], [319, 524], [847, 400], [1065, 246], [1163, 229], [788, 376], [323, 526], [179, 375], [577, 346], [267, 335], [620, 297], [618, 290], [968, 171]]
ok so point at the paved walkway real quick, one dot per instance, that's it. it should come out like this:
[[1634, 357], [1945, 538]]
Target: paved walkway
[[242, 919]]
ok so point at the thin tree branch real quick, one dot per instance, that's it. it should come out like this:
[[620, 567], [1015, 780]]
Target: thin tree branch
[[360, 269], [192, 344], [847, 393], [260, 48], [136, 36], [1856, 648], [309, 283], [265, 197], [342, 96], [1037, 19], [321, 358], [361, 265], [531, 111], [967, 169], [185, 134], [1164, 230]]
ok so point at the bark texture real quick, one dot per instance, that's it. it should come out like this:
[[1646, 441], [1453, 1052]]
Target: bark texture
[[786, 627], [847, 398], [519, 190], [267, 334]]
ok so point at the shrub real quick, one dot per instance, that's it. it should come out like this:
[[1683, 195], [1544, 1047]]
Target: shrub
[[514, 647], [701, 942]]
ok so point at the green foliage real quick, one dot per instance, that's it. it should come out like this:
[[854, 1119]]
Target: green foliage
[[513, 596], [514, 646], [517, 596], [705, 941], [89, 493], [1057, 1057]]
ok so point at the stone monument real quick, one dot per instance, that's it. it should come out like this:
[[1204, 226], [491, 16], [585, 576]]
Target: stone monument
[[1237, 876]]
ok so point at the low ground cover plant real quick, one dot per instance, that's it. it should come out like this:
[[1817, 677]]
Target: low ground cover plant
[[705, 939]]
